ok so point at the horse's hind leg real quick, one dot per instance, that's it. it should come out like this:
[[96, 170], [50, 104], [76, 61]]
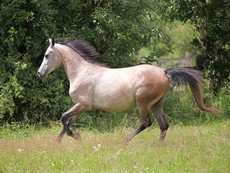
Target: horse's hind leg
[[157, 109], [145, 122]]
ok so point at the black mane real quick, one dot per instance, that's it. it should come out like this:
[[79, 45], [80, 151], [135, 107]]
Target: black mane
[[84, 49]]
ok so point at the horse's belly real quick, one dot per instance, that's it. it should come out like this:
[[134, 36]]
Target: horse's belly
[[114, 102], [114, 91]]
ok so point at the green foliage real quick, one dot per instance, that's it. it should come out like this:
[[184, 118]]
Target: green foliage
[[26, 26], [181, 36], [222, 101], [104, 121], [180, 106], [211, 19], [118, 30]]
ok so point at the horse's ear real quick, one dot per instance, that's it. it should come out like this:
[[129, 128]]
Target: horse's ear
[[51, 41]]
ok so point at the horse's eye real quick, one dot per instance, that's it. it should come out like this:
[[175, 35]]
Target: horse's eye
[[46, 56]]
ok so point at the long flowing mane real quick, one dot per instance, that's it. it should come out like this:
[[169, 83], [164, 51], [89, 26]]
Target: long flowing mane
[[84, 49]]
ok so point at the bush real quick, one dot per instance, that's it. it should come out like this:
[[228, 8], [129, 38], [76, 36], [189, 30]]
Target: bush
[[118, 29], [180, 106]]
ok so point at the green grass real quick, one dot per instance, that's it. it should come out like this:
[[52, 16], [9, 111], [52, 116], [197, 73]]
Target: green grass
[[203, 148]]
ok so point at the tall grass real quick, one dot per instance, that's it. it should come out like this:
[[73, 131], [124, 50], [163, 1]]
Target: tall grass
[[181, 108], [201, 149]]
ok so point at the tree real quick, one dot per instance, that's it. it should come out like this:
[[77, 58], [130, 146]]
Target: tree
[[25, 27], [211, 19], [118, 29]]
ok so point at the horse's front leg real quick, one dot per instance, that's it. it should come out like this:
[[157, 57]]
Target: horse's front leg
[[68, 118], [70, 121]]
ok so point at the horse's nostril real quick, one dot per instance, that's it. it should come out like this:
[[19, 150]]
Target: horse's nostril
[[39, 74]]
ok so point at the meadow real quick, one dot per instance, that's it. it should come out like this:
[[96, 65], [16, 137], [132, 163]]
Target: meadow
[[203, 148]]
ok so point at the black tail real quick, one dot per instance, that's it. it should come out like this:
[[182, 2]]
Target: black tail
[[193, 78]]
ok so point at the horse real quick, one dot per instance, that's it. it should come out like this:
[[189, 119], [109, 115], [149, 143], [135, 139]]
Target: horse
[[95, 86]]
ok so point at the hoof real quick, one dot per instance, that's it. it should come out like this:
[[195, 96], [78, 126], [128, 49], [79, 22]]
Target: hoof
[[162, 136], [77, 136], [58, 139], [128, 138]]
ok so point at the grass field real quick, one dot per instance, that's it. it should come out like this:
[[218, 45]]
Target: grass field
[[203, 148]]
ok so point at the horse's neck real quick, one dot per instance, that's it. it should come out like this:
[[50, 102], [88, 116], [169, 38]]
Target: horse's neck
[[73, 63]]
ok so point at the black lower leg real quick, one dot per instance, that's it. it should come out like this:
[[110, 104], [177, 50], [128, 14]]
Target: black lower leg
[[164, 126], [66, 123], [68, 131], [143, 126], [160, 116]]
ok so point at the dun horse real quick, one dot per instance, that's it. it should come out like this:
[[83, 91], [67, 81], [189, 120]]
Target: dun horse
[[94, 86]]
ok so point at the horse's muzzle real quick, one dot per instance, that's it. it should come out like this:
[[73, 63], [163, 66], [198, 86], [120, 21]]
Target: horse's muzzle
[[40, 74]]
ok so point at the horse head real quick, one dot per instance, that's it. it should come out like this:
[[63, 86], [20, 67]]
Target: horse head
[[51, 60]]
